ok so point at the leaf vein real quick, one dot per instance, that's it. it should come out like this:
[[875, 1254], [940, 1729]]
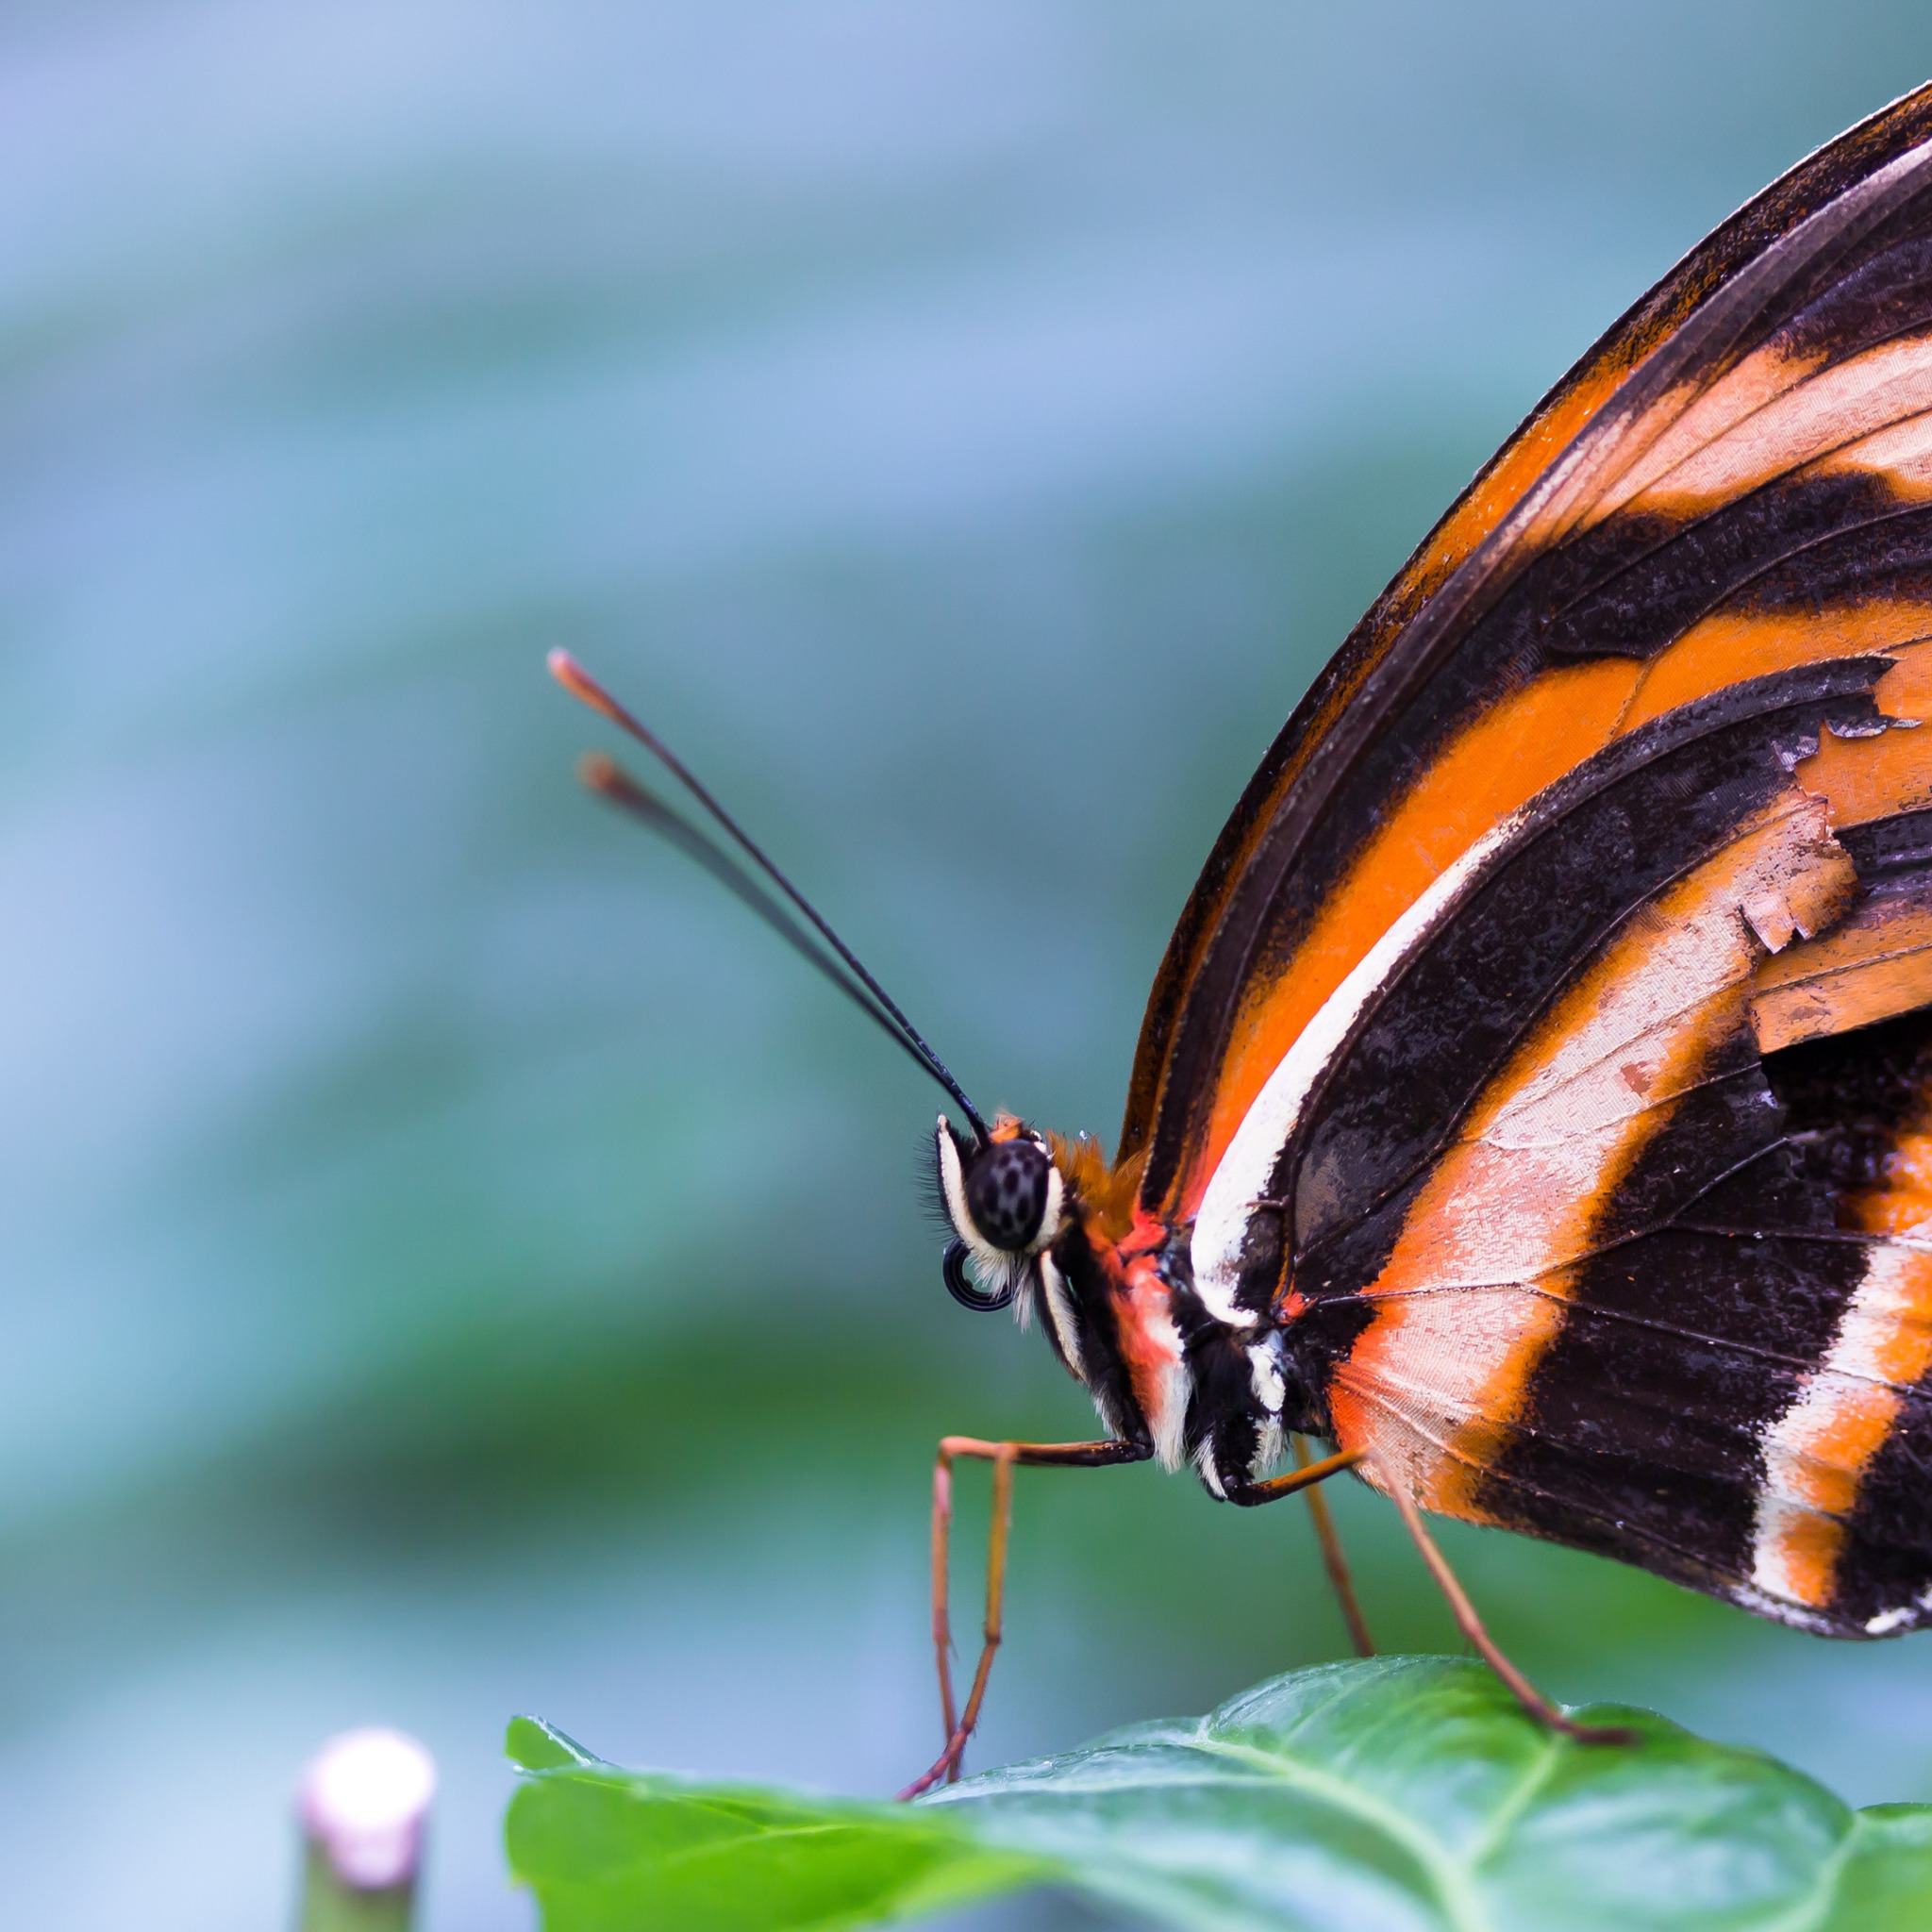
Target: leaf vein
[[1454, 1892]]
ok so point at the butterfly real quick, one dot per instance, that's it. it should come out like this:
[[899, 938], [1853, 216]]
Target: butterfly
[[1535, 1100]]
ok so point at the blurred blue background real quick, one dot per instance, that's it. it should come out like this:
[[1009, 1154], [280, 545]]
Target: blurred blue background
[[455, 1262]]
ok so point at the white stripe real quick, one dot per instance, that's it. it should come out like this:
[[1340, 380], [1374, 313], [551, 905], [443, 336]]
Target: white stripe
[[1853, 1370], [1059, 1311], [953, 1186], [1051, 1218], [1886, 1622], [1271, 1391], [1241, 1176], [1264, 1374]]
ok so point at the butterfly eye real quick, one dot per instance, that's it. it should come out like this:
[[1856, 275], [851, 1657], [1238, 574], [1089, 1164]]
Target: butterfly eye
[[1006, 1193]]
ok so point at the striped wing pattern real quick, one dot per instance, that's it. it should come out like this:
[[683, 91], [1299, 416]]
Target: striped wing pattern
[[1549, 1040]]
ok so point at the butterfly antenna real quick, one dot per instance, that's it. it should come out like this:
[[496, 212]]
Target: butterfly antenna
[[609, 779]]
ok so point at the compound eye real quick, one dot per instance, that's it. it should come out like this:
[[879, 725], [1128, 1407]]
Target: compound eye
[[1006, 1193]]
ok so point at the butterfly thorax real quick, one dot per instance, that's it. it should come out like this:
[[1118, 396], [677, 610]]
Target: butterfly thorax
[[1048, 1224]]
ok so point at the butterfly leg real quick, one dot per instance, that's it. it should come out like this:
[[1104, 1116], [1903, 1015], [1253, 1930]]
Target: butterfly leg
[[1305, 1476], [1003, 1456], [1525, 1693], [1333, 1561]]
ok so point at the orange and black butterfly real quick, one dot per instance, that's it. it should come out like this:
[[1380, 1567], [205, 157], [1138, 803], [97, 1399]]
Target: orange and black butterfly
[[1535, 1101]]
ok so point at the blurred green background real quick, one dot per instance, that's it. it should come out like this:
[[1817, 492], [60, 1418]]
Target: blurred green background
[[454, 1262]]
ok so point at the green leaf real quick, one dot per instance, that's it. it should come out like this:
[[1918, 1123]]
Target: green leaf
[[533, 1746], [1886, 1880], [605, 1849], [1400, 1794]]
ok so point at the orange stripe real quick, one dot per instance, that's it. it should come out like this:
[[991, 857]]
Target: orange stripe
[[1867, 779], [1530, 737], [1874, 964], [1727, 649], [1797, 1553], [1525, 742], [1906, 690], [1471, 1296], [1517, 470]]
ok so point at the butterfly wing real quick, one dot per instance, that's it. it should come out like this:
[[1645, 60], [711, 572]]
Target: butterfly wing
[[1514, 642], [1513, 1030], [1573, 1252]]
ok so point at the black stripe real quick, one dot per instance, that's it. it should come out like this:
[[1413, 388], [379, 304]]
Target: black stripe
[[1635, 585], [1604, 842], [1887, 851], [1719, 1285], [1097, 1314], [1685, 1344], [1847, 1096], [1868, 288], [1888, 296], [1856, 1091], [1887, 1561], [1642, 1441]]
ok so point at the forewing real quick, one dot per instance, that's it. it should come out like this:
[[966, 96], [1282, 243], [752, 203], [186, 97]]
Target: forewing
[[1736, 483]]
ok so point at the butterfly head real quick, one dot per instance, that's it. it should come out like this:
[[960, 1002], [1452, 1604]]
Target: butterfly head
[[1006, 1198], [1043, 1226]]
